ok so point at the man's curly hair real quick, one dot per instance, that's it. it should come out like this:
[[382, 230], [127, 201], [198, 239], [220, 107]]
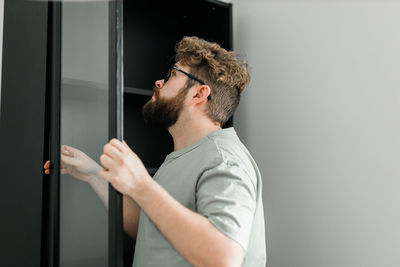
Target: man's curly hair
[[220, 69]]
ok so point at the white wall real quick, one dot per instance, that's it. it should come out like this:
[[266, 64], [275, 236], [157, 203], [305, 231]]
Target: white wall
[[321, 117]]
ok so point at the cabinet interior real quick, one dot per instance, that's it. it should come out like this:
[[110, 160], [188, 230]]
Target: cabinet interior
[[151, 29]]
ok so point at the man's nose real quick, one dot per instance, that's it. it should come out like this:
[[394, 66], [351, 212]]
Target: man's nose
[[160, 83]]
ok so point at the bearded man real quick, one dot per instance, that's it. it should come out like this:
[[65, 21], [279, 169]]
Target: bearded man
[[203, 207]]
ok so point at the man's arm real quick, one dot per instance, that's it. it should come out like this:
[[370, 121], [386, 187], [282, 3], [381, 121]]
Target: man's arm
[[130, 213], [190, 233], [80, 166], [130, 209]]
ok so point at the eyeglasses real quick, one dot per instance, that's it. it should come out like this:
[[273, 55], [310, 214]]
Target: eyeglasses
[[173, 67], [184, 72]]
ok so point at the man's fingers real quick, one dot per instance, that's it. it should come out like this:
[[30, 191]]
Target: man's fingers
[[126, 145], [47, 168], [106, 161], [68, 160], [112, 151], [63, 171], [117, 144], [67, 150]]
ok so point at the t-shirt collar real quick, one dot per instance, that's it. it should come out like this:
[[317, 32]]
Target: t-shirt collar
[[179, 153]]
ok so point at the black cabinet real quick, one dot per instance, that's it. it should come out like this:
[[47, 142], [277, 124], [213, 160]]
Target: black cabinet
[[150, 31], [22, 132], [141, 40]]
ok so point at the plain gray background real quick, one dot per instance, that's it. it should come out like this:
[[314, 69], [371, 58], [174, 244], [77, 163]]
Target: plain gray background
[[321, 118]]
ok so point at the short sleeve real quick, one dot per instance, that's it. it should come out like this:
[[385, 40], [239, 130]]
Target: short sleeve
[[226, 196]]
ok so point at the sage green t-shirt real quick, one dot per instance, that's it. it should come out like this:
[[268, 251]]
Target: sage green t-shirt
[[218, 178]]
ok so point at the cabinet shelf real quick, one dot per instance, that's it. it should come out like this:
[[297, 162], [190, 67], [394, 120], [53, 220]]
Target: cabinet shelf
[[79, 84], [138, 91]]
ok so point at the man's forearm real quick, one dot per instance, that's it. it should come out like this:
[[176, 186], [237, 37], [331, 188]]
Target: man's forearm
[[131, 210], [100, 187], [190, 233], [131, 213]]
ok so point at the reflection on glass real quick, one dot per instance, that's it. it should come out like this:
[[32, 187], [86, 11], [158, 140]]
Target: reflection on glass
[[84, 131]]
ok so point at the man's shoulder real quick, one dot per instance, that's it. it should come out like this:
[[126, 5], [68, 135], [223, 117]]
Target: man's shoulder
[[232, 152], [228, 146]]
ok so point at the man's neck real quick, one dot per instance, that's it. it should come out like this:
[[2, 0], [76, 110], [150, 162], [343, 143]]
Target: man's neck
[[186, 134]]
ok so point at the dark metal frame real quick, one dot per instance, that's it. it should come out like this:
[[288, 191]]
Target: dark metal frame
[[230, 122], [51, 214], [116, 93], [51, 196]]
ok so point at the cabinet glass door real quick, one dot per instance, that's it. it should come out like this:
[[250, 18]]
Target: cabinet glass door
[[84, 132]]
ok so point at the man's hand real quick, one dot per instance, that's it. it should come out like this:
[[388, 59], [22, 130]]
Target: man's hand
[[76, 163], [123, 168]]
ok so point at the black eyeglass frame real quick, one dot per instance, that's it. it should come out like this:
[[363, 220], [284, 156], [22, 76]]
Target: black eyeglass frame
[[184, 72], [187, 74]]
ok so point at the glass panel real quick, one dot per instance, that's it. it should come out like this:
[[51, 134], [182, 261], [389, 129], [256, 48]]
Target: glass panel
[[84, 129]]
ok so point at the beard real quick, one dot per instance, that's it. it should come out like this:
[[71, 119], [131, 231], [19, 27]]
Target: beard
[[163, 112]]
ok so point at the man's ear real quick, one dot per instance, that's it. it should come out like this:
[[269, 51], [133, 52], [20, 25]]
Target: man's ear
[[201, 94]]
